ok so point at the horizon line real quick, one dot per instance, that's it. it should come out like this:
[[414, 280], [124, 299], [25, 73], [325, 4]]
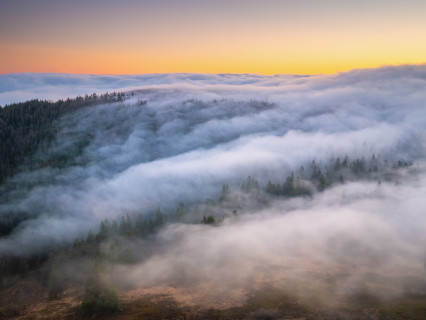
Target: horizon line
[[384, 66]]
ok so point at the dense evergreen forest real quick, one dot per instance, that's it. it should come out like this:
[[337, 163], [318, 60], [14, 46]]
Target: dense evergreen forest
[[29, 127], [25, 127]]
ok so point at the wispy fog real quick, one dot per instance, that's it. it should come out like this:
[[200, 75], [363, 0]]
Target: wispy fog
[[354, 238], [180, 137]]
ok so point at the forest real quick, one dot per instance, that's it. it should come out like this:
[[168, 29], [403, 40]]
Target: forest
[[26, 126]]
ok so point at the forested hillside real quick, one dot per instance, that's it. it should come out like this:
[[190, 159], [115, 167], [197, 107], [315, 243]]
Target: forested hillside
[[28, 126], [229, 197]]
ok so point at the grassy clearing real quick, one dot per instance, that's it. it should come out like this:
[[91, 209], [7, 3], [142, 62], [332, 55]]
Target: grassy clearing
[[267, 303], [411, 307]]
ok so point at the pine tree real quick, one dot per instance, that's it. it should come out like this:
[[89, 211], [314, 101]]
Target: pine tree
[[224, 194], [159, 218], [100, 298], [180, 211]]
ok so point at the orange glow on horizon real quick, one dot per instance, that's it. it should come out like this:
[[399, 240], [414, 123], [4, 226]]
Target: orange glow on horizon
[[74, 61], [205, 37]]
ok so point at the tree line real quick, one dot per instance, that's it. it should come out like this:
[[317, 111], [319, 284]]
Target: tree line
[[27, 125]]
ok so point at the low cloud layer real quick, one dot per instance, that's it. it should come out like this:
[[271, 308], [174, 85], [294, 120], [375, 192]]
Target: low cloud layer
[[196, 132], [356, 238], [53, 86]]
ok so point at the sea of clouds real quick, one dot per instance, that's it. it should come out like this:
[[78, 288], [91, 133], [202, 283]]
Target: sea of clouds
[[196, 132]]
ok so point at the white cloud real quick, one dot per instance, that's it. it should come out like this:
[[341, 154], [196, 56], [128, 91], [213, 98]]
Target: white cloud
[[176, 149]]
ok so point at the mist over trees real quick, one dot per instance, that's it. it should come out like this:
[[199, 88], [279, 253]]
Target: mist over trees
[[28, 126], [216, 186]]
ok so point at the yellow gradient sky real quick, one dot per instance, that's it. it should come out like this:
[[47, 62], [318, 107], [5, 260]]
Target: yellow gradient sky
[[267, 37]]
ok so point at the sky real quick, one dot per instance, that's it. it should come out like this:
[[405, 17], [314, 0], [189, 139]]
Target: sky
[[240, 36]]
